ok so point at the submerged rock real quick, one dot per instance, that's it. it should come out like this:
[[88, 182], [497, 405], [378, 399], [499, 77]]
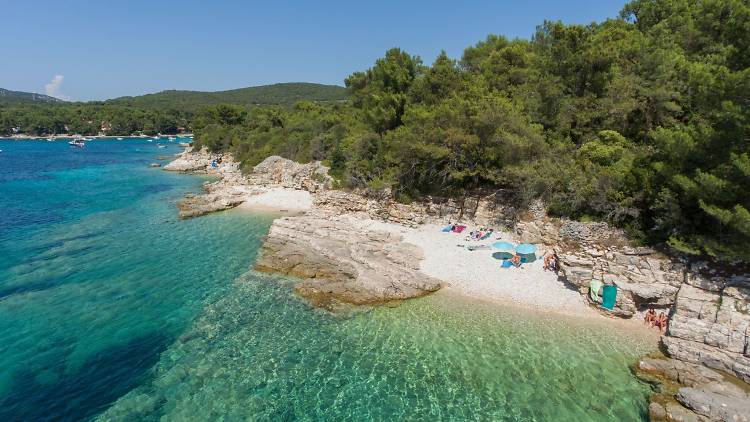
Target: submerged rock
[[341, 261]]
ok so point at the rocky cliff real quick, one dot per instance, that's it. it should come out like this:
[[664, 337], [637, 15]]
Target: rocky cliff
[[710, 323]]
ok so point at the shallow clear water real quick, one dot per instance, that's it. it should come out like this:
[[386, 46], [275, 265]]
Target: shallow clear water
[[112, 308]]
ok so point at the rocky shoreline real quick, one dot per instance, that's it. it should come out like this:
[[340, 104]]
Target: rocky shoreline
[[343, 257], [340, 262]]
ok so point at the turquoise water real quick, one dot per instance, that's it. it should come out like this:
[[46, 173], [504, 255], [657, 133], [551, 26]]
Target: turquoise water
[[113, 309]]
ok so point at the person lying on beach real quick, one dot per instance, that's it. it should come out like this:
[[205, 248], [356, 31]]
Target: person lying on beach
[[650, 318]]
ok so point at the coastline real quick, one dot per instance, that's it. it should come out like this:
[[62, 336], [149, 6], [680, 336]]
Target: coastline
[[471, 274], [97, 137]]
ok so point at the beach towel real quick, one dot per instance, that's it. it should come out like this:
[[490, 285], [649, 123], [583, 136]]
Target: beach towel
[[486, 236], [594, 287], [506, 264], [459, 229], [609, 296], [447, 228]]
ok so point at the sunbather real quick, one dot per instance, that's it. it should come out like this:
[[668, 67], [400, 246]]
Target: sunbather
[[661, 321], [650, 318]]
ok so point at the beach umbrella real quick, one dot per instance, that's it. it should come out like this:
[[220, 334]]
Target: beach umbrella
[[502, 255], [525, 249], [504, 246]]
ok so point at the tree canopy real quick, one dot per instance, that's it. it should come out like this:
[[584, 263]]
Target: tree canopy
[[641, 120]]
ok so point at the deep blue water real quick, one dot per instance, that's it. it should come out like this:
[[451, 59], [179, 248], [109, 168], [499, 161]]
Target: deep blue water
[[97, 274], [113, 309]]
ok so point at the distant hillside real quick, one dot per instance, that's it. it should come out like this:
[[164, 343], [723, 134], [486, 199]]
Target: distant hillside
[[277, 94], [14, 97]]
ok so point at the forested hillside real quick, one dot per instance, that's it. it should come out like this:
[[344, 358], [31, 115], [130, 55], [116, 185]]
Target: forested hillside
[[17, 97], [641, 120], [277, 94], [164, 112]]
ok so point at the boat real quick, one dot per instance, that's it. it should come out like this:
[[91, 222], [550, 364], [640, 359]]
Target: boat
[[162, 146], [171, 139], [50, 139], [120, 139], [77, 143]]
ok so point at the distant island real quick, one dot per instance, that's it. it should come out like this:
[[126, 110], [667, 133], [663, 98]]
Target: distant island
[[8, 97]]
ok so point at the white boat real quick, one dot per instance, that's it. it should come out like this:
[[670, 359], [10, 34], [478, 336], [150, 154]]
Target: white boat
[[171, 138], [50, 139], [120, 139], [77, 143], [162, 146]]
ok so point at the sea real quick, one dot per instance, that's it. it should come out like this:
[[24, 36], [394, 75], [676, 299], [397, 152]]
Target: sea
[[112, 308]]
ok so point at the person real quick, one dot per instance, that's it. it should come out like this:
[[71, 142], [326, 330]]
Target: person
[[555, 262], [516, 260], [550, 261], [650, 318], [661, 321]]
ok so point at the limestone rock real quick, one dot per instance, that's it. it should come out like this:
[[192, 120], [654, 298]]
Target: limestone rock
[[339, 260], [192, 161], [278, 171], [712, 327], [197, 205], [717, 401]]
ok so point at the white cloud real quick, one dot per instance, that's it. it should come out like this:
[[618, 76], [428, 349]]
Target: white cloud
[[53, 88]]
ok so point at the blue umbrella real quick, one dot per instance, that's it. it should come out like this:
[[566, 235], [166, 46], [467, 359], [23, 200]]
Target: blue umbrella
[[502, 255], [503, 246], [525, 249]]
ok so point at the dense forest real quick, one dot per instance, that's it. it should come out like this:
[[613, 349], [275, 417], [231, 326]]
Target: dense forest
[[641, 120], [284, 94], [90, 119]]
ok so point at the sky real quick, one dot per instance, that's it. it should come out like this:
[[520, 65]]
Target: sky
[[92, 50]]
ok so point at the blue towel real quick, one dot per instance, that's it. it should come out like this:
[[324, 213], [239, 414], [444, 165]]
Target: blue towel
[[609, 296], [506, 264], [448, 228]]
